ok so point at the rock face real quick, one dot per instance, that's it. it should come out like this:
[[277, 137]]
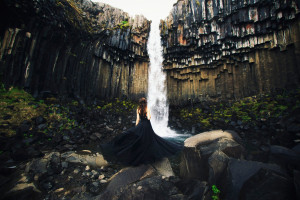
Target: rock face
[[230, 49], [73, 47]]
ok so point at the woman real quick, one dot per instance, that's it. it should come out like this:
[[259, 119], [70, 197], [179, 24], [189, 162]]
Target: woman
[[140, 144]]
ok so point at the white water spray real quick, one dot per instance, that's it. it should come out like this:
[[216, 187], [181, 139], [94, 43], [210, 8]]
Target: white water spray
[[157, 91]]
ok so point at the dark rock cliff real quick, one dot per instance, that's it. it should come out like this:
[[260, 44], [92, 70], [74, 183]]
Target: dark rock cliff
[[73, 47], [220, 49]]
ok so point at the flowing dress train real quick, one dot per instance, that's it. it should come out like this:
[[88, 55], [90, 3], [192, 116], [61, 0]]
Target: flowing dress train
[[139, 145]]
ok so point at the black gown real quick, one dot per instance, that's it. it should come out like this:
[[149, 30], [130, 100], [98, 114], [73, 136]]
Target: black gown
[[139, 145]]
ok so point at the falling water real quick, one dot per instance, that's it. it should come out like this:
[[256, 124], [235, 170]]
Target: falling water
[[157, 91]]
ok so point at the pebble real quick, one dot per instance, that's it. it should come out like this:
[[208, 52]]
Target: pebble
[[103, 181], [36, 177], [64, 165], [139, 188], [47, 185], [66, 137], [94, 172], [86, 151], [96, 184], [88, 173], [76, 171], [102, 176], [87, 168], [58, 190]]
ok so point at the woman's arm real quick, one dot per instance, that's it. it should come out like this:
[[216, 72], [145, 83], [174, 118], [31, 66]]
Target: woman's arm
[[137, 117], [148, 114]]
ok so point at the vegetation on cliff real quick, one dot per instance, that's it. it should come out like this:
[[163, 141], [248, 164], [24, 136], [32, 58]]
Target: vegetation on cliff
[[268, 112]]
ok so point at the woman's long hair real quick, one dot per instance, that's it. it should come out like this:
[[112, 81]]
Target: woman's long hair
[[142, 106]]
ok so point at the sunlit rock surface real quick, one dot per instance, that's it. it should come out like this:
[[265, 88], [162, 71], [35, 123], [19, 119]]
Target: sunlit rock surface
[[73, 47], [230, 49]]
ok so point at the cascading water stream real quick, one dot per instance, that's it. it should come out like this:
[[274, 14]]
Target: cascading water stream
[[157, 91]]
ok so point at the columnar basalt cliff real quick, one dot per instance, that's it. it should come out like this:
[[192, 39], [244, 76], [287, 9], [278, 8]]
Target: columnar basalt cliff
[[73, 47], [220, 49]]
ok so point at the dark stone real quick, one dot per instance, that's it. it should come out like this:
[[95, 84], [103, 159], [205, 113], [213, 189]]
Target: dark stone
[[240, 171], [297, 183], [23, 128], [217, 163], [47, 186], [154, 188], [284, 156], [7, 117], [42, 126], [267, 185], [194, 159], [127, 176], [192, 188], [294, 128], [239, 122], [296, 148], [40, 120]]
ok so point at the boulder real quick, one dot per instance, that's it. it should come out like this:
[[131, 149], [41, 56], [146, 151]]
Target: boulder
[[50, 163], [217, 164], [284, 156], [20, 187], [267, 185], [198, 149], [238, 172], [129, 175], [94, 160], [163, 167], [193, 188], [297, 183], [154, 188]]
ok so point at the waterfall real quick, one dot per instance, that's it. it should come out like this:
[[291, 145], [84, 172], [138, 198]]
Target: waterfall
[[157, 90]]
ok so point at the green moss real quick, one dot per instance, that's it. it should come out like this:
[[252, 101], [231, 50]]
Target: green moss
[[19, 106]]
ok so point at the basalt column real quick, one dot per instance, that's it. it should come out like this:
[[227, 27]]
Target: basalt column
[[73, 47], [220, 49]]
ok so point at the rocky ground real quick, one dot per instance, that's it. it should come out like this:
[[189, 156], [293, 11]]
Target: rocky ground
[[49, 149]]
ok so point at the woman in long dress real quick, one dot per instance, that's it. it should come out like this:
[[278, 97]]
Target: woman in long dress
[[139, 144]]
